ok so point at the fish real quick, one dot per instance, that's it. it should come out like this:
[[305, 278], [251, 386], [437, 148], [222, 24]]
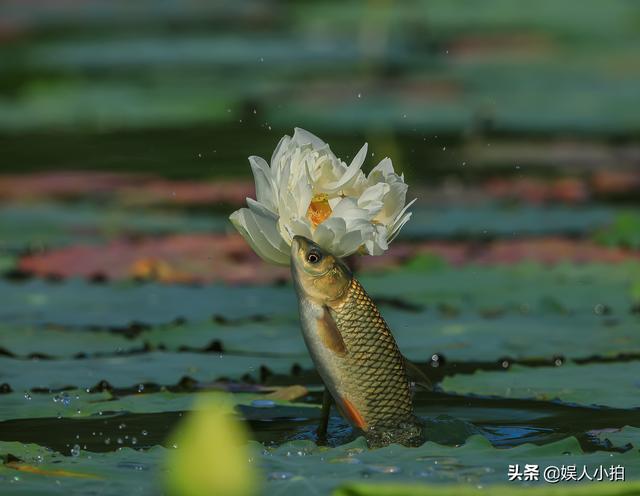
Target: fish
[[353, 348]]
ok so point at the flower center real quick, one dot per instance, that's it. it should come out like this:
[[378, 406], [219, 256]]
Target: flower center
[[319, 209]]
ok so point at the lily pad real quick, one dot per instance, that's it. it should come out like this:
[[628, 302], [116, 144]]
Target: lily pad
[[526, 287], [162, 368], [108, 473], [40, 226], [77, 303], [626, 438], [607, 384], [475, 462], [296, 466], [586, 489]]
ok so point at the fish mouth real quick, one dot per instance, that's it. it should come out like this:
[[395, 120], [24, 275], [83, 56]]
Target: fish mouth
[[298, 246]]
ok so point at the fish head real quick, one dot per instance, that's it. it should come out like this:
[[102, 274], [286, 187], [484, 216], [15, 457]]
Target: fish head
[[317, 273]]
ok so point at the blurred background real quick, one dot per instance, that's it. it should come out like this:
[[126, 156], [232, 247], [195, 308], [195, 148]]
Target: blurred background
[[125, 128], [450, 90]]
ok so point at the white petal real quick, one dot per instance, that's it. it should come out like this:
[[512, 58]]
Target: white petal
[[280, 150], [261, 233], [300, 227], [351, 242], [393, 203], [377, 244], [372, 198], [351, 173], [265, 189], [348, 210], [328, 232], [384, 168], [303, 137], [402, 218]]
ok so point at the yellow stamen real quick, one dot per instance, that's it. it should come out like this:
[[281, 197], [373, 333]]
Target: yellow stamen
[[319, 209]]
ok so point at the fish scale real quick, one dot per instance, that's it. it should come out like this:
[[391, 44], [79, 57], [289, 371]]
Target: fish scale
[[374, 373]]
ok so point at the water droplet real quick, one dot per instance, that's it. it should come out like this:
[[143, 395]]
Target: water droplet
[[359, 95], [75, 451], [144, 433], [279, 476], [107, 441], [444, 148], [119, 440], [601, 309], [134, 440], [27, 395], [255, 111], [141, 386], [122, 426]]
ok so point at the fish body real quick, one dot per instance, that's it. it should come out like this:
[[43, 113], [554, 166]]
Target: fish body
[[352, 348]]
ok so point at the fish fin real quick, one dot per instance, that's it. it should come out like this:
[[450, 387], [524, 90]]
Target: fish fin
[[330, 334], [353, 414], [417, 376]]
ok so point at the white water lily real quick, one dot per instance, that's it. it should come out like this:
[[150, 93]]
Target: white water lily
[[308, 191]]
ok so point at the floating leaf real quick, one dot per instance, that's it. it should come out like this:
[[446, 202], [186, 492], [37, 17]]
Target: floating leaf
[[582, 384]]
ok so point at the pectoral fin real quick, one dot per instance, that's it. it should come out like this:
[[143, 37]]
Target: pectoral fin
[[330, 334], [417, 376]]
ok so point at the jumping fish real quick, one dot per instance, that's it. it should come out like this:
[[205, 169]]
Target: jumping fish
[[353, 348]]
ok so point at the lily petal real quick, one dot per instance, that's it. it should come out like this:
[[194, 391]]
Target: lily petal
[[304, 137], [265, 188], [253, 229], [350, 173]]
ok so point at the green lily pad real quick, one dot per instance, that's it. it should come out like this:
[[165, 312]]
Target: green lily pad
[[45, 225], [84, 473], [626, 438], [77, 303], [162, 368], [299, 465], [491, 221], [526, 287], [521, 312], [475, 462], [586, 489], [59, 342], [623, 231], [7, 262], [606, 384]]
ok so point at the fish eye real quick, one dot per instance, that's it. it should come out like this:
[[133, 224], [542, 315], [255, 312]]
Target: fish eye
[[314, 257]]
